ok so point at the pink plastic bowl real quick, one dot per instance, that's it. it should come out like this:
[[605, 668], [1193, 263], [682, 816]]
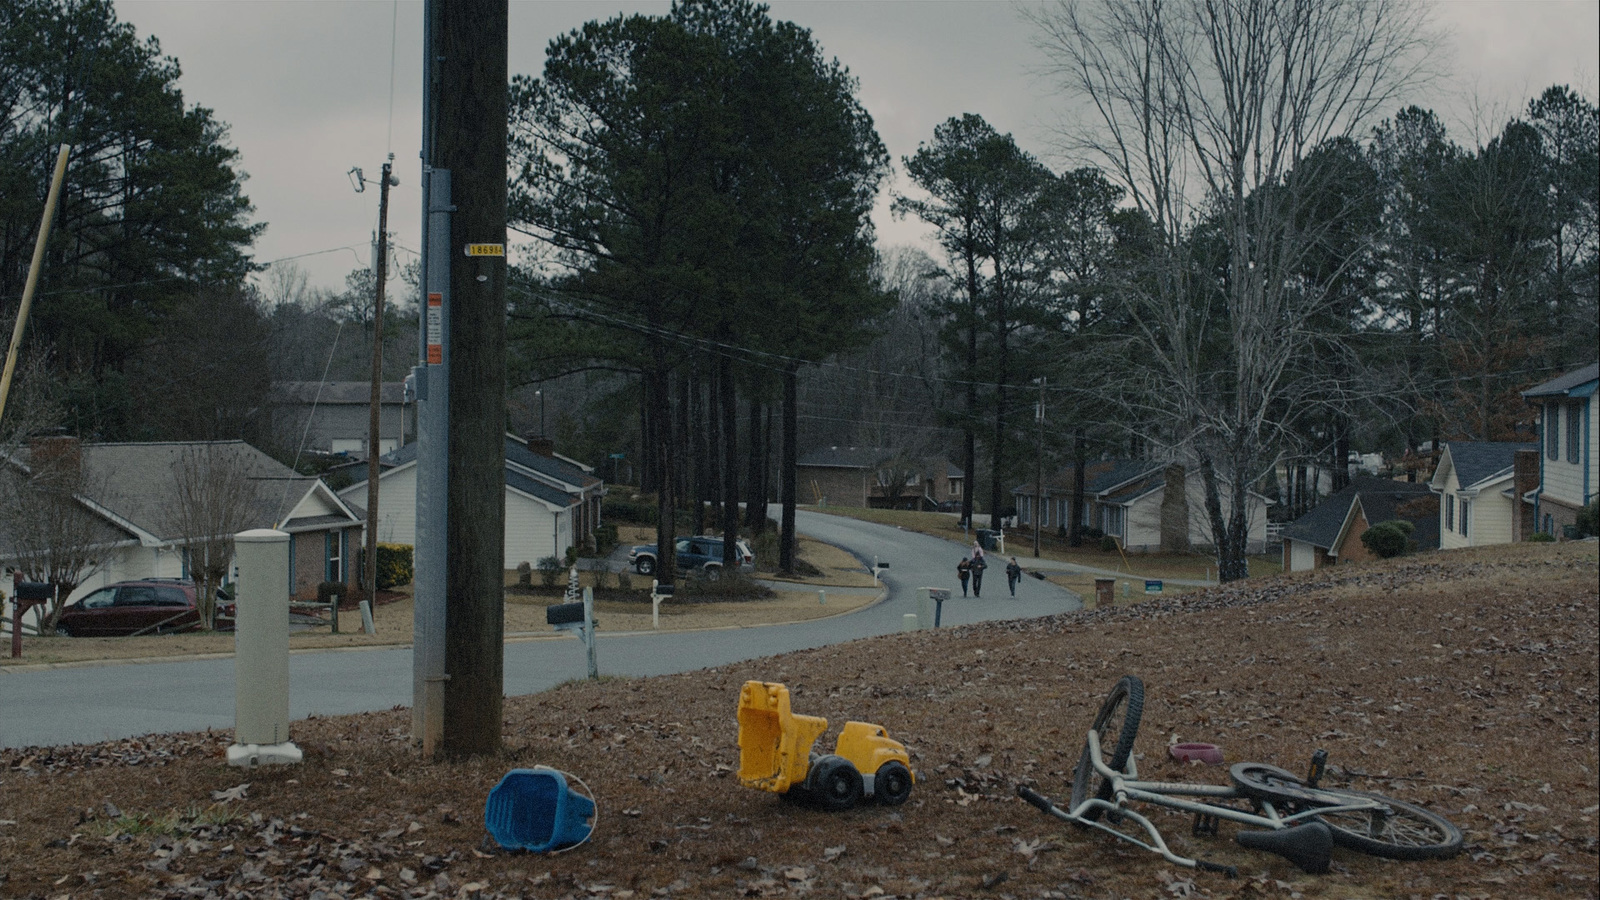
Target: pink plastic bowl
[[1210, 754]]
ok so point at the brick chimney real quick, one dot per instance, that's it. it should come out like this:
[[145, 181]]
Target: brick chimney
[[1524, 480], [61, 455], [542, 446]]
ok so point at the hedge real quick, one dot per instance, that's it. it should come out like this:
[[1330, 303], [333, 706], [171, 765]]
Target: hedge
[[395, 565]]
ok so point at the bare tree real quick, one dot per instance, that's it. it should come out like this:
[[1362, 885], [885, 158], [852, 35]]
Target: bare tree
[[213, 498], [49, 534], [1202, 110]]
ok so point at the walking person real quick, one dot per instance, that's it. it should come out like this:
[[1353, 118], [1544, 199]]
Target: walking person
[[1013, 575], [977, 566], [963, 570]]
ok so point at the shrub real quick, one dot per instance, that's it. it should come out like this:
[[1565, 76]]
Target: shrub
[[1389, 539], [1092, 534], [637, 511], [624, 581], [524, 574], [395, 565], [1108, 544], [549, 571], [605, 539], [1589, 520], [572, 555], [1541, 537]]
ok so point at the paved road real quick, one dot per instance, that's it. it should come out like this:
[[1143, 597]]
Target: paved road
[[82, 705]]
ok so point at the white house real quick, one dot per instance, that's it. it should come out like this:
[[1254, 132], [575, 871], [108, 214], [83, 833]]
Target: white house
[[1127, 499], [548, 508], [1569, 459], [1474, 481]]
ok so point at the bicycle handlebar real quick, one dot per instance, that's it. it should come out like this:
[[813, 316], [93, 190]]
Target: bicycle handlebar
[[1035, 798]]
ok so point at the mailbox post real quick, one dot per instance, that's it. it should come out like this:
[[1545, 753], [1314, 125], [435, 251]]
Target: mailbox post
[[25, 595]]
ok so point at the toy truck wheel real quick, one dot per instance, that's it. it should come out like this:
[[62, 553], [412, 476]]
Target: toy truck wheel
[[892, 785], [835, 784]]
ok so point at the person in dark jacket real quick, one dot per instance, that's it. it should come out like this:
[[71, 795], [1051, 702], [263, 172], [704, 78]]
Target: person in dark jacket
[[1013, 575], [978, 565], [963, 571]]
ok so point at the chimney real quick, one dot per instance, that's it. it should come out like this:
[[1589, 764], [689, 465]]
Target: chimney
[[61, 455], [542, 446], [1524, 480]]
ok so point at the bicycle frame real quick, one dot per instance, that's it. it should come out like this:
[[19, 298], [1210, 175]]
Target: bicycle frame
[[1126, 786]]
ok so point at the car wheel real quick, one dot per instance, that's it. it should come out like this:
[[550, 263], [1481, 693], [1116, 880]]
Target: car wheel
[[61, 631], [713, 573], [645, 566]]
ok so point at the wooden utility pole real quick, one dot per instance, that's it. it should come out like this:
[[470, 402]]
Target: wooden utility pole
[[1038, 474], [469, 108], [380, 274]]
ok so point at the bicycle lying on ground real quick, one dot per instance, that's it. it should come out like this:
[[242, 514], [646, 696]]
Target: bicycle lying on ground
[[1303, 820]]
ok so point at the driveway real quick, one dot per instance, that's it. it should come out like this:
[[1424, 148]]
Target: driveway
[[82, 705]]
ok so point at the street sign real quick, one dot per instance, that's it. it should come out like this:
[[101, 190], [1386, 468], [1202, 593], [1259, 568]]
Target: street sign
[[435, 329]]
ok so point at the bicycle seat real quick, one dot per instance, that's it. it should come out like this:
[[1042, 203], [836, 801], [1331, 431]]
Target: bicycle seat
[[1307, 846]]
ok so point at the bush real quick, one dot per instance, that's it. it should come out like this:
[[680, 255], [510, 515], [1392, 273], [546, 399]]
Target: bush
[[605, 539], [1541, 537], [624, 581], [395, 565], [1092, 534], [572, 555], [1389, 539], [636, 512], [549, 571], [1589, 520], [1108, 544], [524, 574]]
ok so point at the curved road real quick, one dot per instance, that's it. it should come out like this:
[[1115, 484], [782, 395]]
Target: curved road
[[81, 705]]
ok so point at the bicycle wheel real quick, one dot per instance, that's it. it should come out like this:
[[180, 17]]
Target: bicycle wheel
[[1402, 831], [1119, 715], [1259, 781]]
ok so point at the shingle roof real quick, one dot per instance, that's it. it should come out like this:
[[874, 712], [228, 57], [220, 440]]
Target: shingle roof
[[1380, 501], [1572, 384], [1098, 476], [518, 453], [1476, 461]]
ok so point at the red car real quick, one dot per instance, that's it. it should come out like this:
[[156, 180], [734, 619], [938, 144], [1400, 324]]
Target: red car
[[150, 606]]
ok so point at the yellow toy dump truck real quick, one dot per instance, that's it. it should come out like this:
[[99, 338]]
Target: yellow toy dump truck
[[775, 755]]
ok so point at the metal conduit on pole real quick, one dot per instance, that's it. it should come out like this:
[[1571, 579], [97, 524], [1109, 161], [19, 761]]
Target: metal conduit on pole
[[33, 274]]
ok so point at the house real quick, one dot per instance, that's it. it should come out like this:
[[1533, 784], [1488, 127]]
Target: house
[[878, 477], [551, 505], [1331, 533], [1475, 481], [1128, 499], [125, 510], [1569, 461], [336, 416]]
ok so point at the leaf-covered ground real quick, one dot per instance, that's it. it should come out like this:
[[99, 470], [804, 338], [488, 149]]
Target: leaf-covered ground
[[1465, 682]]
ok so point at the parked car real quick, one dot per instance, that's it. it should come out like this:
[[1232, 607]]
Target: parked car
[[148, 606], [695, 554]]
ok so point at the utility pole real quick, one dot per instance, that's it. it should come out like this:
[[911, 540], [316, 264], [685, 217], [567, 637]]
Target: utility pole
[[465, 142], [380, 270], [1038, 475]]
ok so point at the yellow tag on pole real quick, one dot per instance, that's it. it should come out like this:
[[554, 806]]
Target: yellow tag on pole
[[486, 250]]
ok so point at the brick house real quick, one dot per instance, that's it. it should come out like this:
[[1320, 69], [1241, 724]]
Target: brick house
[[878, 477]]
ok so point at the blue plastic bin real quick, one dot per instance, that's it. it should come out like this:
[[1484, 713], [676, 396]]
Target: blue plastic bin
[[533, 809]]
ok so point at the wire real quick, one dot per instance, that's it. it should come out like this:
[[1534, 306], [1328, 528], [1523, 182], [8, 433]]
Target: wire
[[394, 25]]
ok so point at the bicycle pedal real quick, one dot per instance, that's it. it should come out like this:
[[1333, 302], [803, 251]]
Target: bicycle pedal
[[1205, 824]]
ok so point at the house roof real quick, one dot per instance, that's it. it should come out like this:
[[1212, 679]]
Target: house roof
[[1381, 501], [133, 485], [92, 528], [1099, 476], [1477, 462], [1577, 383], [517, 454]]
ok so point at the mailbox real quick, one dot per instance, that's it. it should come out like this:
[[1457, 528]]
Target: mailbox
[[564, 614]]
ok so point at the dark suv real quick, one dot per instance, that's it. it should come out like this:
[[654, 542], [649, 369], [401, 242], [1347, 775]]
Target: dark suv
[[148, 606], [695, 554]]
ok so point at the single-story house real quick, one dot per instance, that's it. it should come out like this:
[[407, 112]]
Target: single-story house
[[1569, 466], [1127, 499], [121, 508], [336, 416], [878, 477], [550, 504], [1331, 533], [1475, 481]]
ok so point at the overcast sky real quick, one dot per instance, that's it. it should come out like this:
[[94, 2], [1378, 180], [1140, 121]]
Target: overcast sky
[[308, 88]]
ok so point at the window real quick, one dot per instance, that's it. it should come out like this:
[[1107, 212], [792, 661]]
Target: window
[[335, 568], [1113, 520], [1466, 508], [1552, 431], [1449, 512], [1574, 430]]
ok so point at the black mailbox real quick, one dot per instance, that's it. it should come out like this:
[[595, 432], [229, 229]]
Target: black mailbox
[[563, 614], [32, 592], [662, 590]]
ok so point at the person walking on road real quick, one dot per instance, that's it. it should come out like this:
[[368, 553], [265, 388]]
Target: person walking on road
[[978, 565], [1013, 575], [963, 570]]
